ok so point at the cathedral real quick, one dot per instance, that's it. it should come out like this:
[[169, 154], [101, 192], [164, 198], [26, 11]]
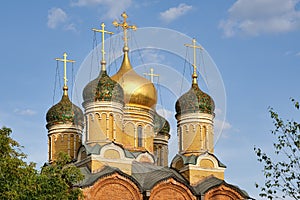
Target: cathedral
[[124, 155]]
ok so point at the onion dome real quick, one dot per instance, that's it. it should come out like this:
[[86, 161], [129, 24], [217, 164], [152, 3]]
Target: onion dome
[[64, 112], [137, 89], [103, 88], [195, 101], [161, 125]]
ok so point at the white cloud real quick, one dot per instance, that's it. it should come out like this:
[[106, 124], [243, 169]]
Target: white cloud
[[70, 27], [152, 56], [167, 114], [113, 9], [254, 17], [25, 112], [175, 12], [56, 16], [287, 53], [221, 125]]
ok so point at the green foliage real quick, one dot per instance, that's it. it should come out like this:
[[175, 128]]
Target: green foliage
[[56, 180], [282, 177], [19, 180]]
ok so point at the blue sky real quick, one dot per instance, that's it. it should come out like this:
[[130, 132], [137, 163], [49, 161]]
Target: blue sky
[[254, 43]]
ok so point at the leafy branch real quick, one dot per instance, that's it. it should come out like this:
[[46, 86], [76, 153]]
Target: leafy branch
[[282, 177]]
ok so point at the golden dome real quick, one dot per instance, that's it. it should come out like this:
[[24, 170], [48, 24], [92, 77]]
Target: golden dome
[[137, 90]]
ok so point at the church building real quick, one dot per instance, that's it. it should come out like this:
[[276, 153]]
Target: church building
[[125, 152]]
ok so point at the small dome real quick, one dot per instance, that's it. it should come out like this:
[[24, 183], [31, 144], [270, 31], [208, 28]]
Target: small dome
[[137, 89], [103, 88], [64, 112], [161, 125], [195, 101]]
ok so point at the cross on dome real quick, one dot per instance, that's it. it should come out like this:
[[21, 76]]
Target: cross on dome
[[125, 26], [151, 74], [64, 60], [103, 31], [194, 46]]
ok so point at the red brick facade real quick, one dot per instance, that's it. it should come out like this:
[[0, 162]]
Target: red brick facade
[[118, 187]]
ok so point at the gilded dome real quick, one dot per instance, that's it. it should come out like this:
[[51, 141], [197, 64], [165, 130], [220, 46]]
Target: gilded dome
[[103, 88], [137, 90], [161, 125], [195, 101], [64, 112]]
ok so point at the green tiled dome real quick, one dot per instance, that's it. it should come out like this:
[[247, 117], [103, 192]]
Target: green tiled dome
[[195, 101], [103, 88], [161, 125], [64, 112]]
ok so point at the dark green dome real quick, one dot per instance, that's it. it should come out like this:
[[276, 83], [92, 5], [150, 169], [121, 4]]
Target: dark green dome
[[64, 112], [161, 125], [103, 88], [195, 101]]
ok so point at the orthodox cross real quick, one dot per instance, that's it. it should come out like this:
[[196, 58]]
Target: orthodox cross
[[65, 70], [194, 46], [125, 26], [103, 33], [151, 74]]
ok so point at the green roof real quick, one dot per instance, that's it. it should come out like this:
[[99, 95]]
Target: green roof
[[103, 88], [193, 159], [64, 112], [211, 182], [195, 101]]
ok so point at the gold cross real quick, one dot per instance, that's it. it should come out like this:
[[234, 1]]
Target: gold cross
[[151, 74], [194, 46], [125, 26], [65, 70], [103, 33]]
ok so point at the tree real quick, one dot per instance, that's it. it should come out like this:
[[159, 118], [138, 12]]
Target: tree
[[56, 180], [282, 175], [15, 174], [19, 180]]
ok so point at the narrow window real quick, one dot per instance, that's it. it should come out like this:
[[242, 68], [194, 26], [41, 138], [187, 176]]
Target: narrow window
[[161, 156], [204, 138], [140, 136], [180, 139]]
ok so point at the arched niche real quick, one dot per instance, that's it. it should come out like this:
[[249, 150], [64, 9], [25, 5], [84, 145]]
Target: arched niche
[[115, 186], [223, 192], [171, 189], [112, 151]]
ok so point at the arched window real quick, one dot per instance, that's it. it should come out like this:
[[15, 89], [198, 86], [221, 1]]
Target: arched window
[[140, 136]]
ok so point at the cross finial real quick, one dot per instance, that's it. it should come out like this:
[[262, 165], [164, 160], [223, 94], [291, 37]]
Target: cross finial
[[65, 88], [151, 74], [102, 49], [194, 46], [125, 26]]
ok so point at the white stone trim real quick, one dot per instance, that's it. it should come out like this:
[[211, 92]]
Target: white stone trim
[[145, 154], [112, 146]]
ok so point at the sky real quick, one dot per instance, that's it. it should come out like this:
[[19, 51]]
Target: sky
[[251, 53]]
